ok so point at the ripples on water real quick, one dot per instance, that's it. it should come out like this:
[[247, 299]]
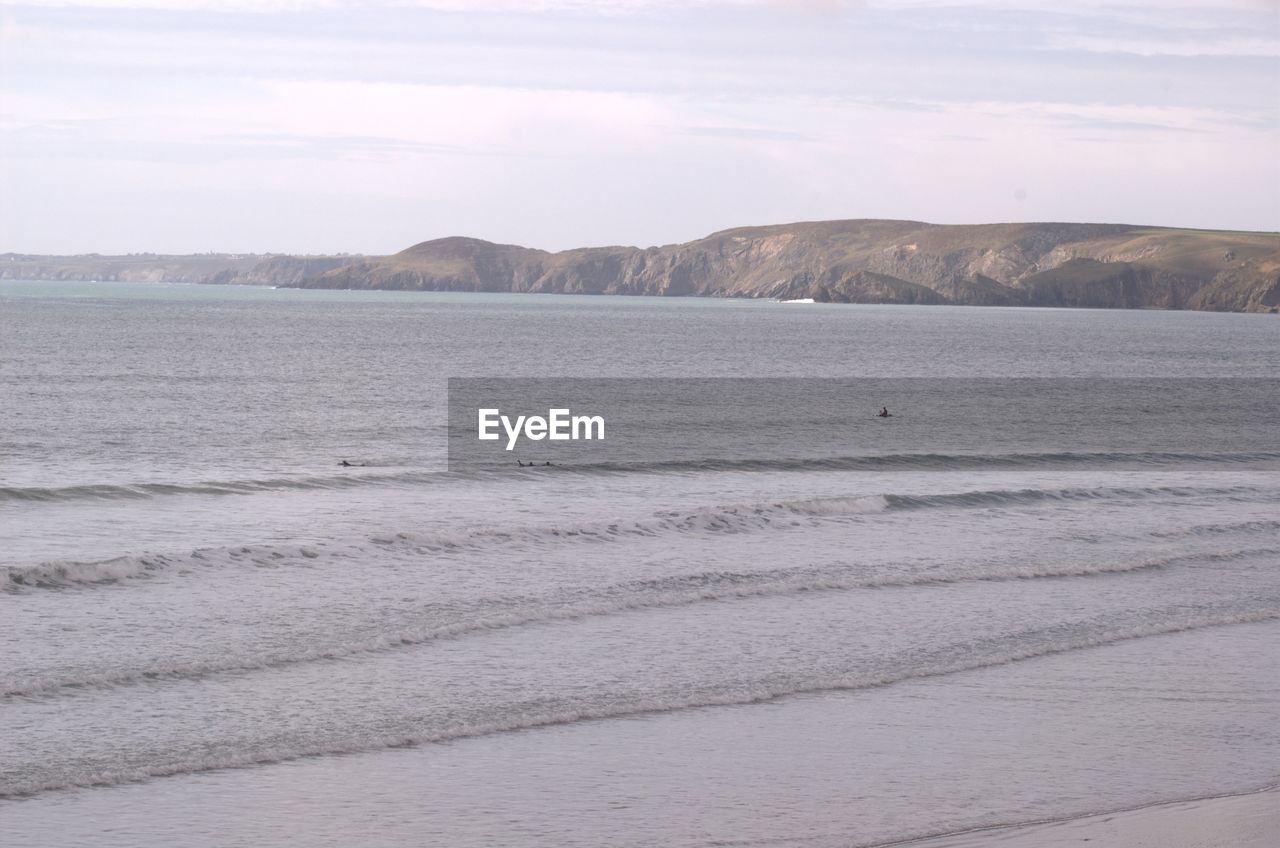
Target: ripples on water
[[212, 635]]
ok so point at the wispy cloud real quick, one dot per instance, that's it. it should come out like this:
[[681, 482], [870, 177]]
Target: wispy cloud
[[1190, 45], [566, 122], [742, 133]]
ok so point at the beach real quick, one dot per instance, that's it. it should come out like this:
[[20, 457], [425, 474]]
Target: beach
[[1233, 821]]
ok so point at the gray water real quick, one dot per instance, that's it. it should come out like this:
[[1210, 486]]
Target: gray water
[[211, 634]]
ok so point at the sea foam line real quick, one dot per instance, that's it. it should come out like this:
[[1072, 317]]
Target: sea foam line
[[659, 593], [883, 462], [953, 659], [145, 490], [769, 515]]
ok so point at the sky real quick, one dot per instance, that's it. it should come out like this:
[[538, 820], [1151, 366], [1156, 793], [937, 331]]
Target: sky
[[326, 126]]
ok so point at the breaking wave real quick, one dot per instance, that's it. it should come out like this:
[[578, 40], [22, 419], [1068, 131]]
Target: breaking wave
[[144, 490], [889, 462], [744, 518], [658, 593], [511, 717]]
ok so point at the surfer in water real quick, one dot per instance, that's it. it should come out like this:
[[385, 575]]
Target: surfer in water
[[884, 413], [346, 464]]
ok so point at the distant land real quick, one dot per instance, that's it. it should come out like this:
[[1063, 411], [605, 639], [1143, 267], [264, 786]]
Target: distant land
[[858, 261], [227, 268]]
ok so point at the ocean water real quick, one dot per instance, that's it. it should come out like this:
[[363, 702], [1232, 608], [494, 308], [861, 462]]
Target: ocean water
[[211, 634]]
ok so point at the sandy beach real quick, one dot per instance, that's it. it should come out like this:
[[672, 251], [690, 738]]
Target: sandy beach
[[1234, 821]]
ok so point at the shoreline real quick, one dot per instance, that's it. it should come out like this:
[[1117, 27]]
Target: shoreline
[[1249, 819]]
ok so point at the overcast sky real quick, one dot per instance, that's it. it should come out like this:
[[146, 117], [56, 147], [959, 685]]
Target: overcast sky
[[315, 126]]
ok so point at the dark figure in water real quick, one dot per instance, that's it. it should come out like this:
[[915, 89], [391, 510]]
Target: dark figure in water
[[546, 463], [345, 464], [884, 412], [521, 464]]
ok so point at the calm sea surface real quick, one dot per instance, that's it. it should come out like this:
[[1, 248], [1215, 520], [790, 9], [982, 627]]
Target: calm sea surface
[[212, 635]]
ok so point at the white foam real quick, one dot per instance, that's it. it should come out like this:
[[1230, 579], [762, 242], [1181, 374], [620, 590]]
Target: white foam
[[517, 717]]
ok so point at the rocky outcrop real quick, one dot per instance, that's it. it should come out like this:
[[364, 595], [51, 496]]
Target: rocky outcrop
[[870, 287], [871, 261], [281, 270]]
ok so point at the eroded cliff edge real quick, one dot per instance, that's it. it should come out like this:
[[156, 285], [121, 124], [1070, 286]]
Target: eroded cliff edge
[[868, 261]]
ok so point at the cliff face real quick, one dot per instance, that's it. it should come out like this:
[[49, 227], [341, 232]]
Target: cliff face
[[280, 270], [864, 261], [1081, 265]]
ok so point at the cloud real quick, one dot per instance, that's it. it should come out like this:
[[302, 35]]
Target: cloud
[[563, 123], [742, 133], [1190, 46], [600, 7]]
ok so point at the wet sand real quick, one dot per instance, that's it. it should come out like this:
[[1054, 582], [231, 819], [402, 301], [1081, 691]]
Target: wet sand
[[1235, 821]]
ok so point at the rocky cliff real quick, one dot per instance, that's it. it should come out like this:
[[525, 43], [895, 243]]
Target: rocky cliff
[[868, 261], [862, 261]]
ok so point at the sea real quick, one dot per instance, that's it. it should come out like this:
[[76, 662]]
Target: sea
[[214, 634]]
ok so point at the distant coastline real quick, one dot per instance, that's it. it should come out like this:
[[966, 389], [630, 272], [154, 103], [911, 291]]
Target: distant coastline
[[857, 261]]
